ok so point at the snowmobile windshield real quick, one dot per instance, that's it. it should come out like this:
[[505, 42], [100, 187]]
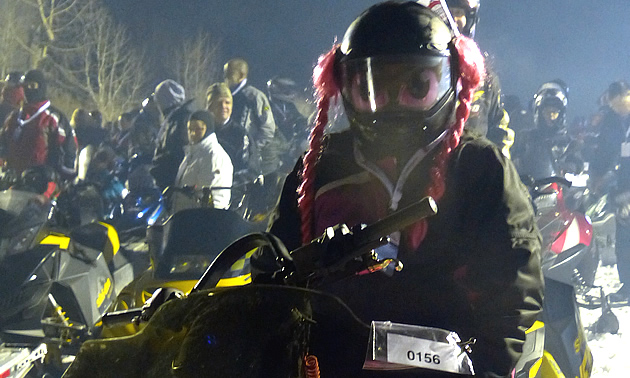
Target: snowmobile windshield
[[396, 83], [22, 210]]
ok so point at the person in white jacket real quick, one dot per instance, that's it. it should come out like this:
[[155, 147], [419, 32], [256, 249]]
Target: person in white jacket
[[206, 163]]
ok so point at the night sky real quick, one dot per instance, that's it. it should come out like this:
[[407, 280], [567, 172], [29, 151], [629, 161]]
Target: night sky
[[579, 41]]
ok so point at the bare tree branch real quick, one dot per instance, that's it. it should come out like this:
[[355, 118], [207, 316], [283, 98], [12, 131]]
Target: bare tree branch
[[196, 65]]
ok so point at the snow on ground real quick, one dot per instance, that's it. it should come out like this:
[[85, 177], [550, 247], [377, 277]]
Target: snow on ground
[[610, 352]]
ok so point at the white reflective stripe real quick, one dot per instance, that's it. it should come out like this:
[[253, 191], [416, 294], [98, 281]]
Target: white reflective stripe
[[53, 115], [240, 86], [39, 111], [395, 192]]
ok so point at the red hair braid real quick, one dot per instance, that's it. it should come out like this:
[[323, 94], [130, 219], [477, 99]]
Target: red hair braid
[[471, 73], [326, 88]]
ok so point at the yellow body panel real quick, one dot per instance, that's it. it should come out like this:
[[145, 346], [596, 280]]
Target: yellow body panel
[[56, 239], [112, 235], [103, 293], [549, 367], [141, 289], [534, 369], [537, 325]]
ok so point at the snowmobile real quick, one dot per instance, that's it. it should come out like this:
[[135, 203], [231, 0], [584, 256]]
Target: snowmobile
[[140, 198], [568, 254], [55, 282], [231, 331], [181, 250]]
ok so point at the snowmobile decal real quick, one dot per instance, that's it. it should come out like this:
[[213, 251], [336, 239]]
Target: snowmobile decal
[[59, 240]]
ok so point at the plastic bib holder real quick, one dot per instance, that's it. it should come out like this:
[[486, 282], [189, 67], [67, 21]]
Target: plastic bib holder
[[395, 346]]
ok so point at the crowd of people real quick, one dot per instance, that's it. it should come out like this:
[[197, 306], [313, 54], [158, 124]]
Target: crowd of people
[[234, 145], [425, 118]]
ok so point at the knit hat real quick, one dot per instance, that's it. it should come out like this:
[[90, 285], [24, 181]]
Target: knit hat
[[205, 117], [218, 90], [169, 93]]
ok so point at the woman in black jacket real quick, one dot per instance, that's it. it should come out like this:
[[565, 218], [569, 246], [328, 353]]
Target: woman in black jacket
[[474, 268]]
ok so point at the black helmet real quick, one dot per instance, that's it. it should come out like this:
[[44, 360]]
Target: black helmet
[[13, 78], [552, 94], [397, 76], [282, 88], [471, 11], [34, 83]]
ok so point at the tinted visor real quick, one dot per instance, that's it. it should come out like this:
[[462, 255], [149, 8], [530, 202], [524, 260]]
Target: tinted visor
[[409, 83]]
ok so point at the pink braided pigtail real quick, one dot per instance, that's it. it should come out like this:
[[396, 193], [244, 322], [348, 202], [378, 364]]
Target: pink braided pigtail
[[471, 73], [326, 88]]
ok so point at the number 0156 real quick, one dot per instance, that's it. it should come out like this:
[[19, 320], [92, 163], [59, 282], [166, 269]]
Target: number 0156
[[427, 358]]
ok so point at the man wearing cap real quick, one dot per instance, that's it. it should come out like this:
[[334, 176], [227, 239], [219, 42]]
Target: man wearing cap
[[172, 135], [30, 136]]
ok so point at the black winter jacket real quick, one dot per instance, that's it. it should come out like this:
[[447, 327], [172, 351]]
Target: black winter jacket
[[613, 132], [477, 272], [171, 139], [242, 151]]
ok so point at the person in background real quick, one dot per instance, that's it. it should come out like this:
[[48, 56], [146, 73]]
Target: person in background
[[251, 110], [30, 136], [293, 112], [101, 171], [87, 129], [613, 149], [548, 149], [11, 97], [206, 164], [122, 139], [487, 116], [69, 146], [520, 118], [172, 136], [144, 130], [90, 137], [234, 139], [474, 268]]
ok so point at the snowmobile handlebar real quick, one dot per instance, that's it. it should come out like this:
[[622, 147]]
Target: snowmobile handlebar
[[123, 316], [530, 182], [341, 247], [326, 255]]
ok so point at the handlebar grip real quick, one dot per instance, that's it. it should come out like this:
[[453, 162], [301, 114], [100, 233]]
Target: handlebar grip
[[553, 180], [397, 221], [124, 316]]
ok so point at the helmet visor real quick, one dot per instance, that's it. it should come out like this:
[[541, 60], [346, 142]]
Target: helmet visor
[[404, 83]]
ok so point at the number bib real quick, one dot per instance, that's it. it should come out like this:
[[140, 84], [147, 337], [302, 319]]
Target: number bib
[[422, 353], [400, 346]]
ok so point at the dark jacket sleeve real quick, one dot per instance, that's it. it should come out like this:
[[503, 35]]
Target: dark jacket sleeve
[[285, 222], [504, 279], [608, 145]]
